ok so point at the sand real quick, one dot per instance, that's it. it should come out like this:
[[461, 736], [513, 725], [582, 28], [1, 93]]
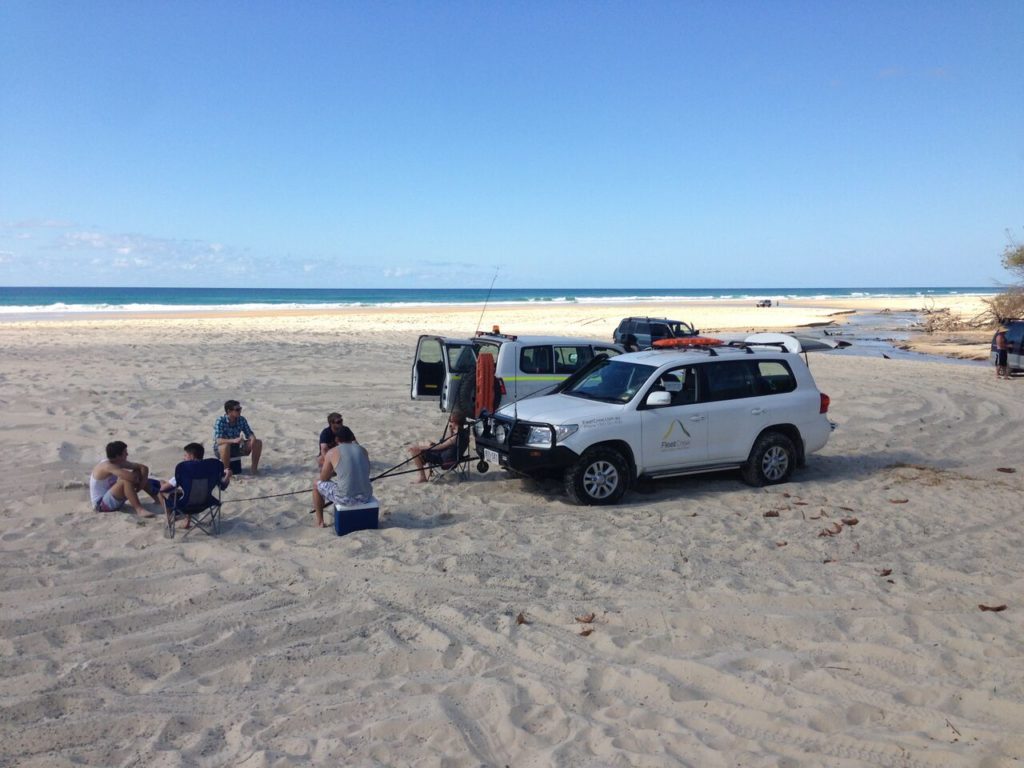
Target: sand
[[723, 634]]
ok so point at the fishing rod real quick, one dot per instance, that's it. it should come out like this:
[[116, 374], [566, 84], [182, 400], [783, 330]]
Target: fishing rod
[[486, 299]]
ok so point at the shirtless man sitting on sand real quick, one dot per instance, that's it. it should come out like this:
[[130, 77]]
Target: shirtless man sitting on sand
[[117, 480]]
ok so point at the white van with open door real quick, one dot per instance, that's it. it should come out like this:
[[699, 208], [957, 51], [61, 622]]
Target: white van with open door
[[523, 365]]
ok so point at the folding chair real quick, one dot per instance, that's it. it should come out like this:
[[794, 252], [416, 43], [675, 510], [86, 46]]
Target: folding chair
[[458, 466], [196, 497]]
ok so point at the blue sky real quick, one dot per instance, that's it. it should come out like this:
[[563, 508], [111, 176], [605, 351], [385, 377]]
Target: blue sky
[[573, 144]]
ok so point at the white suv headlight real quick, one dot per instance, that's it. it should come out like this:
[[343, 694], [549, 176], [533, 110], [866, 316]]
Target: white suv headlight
[[563, 431], [539, 437]]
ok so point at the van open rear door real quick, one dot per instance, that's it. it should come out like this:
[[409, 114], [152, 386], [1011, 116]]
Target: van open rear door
[[436, 369]]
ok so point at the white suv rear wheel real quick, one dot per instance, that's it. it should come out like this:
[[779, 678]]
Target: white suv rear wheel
[[771, 460]]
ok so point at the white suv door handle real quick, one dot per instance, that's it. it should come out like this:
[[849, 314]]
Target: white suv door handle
[[758, 411], [696, 418]]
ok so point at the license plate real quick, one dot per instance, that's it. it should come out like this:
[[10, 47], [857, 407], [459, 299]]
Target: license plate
[[491, 457]]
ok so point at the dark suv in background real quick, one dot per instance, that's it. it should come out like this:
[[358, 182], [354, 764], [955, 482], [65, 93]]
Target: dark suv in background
[[1014, 346], [642, 332]]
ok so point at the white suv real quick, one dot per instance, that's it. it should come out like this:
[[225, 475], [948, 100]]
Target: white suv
[[661, 413]]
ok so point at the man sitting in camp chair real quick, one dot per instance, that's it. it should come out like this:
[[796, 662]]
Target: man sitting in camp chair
[[189, 493], [351, 463], [445, 453], [194, 452]]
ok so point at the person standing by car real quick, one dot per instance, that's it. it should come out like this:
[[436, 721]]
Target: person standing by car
[[1002, 371]]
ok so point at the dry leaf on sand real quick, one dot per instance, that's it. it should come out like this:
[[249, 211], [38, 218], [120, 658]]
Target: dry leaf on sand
[[1007, 470], [831, 531], [995, 608], [850, 521], [772, 513], [585, 619], [521, 618], [898, 501], [885, 572], [585, 632]]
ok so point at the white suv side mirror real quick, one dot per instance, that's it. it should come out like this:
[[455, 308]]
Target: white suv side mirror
[[659, 398]]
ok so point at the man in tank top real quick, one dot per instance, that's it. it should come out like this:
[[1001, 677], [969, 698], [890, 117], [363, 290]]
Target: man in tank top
[[350, 462]]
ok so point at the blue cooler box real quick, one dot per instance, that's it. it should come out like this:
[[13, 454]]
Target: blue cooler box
[[356, 517]]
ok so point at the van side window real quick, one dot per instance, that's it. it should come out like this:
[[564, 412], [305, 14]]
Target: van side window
[[535, 360], [460, 359], [729, 380], [571, 359], [774, 377]]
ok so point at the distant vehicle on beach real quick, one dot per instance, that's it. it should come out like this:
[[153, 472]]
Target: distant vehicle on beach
[[636, 333]]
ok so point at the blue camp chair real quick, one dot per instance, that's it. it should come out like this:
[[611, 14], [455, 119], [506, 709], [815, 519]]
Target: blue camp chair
[[196, 497]]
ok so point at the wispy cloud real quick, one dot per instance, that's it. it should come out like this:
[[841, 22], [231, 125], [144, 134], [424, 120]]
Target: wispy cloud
[[29, 229], [135, 244], [448, 271], [131, 251], [30, 224]]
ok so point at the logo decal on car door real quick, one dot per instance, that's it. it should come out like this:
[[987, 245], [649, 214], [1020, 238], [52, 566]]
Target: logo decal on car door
[[668, 444]]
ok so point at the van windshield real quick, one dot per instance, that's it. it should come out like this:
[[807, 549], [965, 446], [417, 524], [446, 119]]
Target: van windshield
[[610, 381]]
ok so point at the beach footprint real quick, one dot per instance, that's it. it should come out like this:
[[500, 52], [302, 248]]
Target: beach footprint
[[67, 452]]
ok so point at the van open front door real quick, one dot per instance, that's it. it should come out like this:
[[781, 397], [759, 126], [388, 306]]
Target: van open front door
[[435, 371]]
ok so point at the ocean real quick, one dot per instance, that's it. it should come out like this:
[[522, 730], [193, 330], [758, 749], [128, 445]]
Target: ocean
[[48, 301]]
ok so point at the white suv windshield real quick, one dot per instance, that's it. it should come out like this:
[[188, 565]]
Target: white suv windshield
[[611, 381]]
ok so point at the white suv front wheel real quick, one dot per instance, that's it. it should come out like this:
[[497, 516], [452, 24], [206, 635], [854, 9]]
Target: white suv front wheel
[[771, 460], [601, 476]]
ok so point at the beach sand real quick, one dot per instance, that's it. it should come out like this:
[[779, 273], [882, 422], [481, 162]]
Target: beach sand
[[727, 631]]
